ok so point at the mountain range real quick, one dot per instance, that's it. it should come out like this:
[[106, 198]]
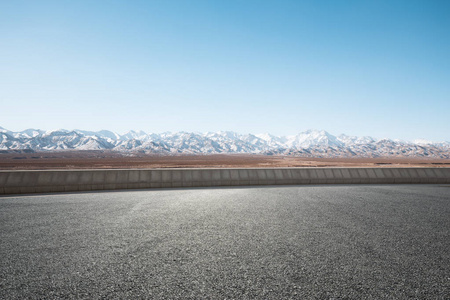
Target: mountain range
[[311, 143]]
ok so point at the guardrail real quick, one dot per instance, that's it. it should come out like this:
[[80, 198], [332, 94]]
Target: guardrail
[[19, 182]]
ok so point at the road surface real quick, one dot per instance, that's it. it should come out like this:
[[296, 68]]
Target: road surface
[[297, 242]]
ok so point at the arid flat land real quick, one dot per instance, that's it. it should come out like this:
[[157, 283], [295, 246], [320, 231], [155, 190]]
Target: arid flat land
[[115, 160]]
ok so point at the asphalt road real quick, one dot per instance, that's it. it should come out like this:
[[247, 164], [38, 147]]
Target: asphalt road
[[301, 242]]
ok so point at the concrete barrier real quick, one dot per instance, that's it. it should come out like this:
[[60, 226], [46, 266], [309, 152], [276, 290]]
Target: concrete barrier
[[20, 182]]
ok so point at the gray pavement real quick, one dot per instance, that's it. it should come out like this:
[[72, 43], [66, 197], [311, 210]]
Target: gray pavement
[[298, 242]]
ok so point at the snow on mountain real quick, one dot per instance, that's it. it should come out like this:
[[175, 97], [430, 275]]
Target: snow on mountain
[[351, 140], [272, 139], [422, 142], [102, 133], [133, 135], [30, 133], [312, 138], [311, 143]]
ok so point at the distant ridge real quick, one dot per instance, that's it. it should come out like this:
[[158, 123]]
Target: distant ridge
[[311, 143]]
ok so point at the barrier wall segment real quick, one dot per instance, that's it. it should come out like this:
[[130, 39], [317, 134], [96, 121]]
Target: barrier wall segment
[[17, 182]]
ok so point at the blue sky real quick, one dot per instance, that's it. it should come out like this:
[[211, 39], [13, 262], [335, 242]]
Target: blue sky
[[378, 68]]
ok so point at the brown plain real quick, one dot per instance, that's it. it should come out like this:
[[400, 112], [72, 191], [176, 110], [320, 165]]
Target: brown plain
[[115, 160]]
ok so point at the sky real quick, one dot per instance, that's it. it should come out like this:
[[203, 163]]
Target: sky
[[377, 68]]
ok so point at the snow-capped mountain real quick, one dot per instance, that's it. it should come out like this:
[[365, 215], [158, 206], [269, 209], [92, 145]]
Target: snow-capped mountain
[[313, 138], [311, 143]]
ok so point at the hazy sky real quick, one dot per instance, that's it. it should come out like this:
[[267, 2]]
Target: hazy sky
[[378, 68]]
